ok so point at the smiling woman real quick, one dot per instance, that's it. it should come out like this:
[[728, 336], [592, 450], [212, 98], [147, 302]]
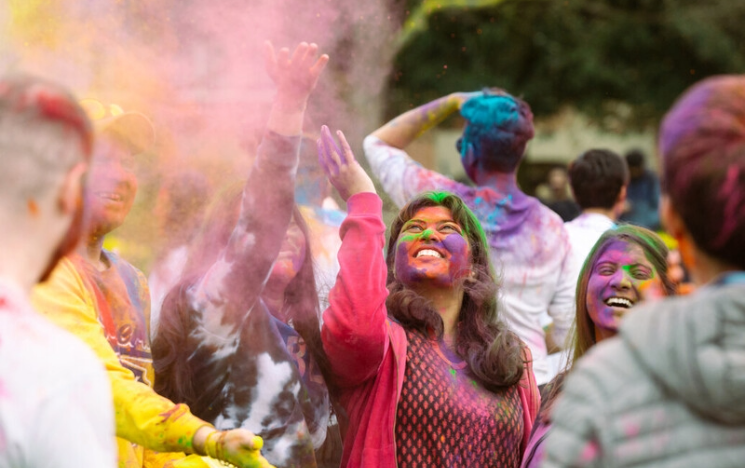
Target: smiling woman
[[627, 266], [428, 373], [431, 247]]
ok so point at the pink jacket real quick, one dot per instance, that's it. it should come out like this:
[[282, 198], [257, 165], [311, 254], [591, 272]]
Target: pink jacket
[[367, 350]]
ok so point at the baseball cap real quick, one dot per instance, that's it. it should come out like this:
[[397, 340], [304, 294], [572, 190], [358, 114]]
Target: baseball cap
[[133, 127]]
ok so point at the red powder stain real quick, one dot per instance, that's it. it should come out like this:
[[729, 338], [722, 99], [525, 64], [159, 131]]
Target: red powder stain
[[33, 208], [175, 412]]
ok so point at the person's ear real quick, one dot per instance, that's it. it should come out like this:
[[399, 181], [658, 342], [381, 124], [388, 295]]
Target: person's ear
[[673, 224], [670, 218], [620, 204], [71, 191], [622, 195]]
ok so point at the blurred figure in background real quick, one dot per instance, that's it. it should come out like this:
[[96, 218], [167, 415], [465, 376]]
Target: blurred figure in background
[[556, 195], [55, 399], [642, 195], [598, 178], [529, 246], [668, 390], [179, 209], [322, 215]]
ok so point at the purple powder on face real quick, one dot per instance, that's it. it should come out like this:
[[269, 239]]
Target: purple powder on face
[[459, 254]]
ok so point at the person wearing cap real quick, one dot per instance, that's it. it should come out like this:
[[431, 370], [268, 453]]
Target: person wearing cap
[[104, 300], [529, 245], [668, 389], [55, 399]]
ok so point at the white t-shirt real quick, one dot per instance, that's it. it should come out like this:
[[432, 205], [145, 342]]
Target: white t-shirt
[[528, 244], [56, 408]]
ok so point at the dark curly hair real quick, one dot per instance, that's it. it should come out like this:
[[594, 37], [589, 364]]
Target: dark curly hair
[[494, 354]]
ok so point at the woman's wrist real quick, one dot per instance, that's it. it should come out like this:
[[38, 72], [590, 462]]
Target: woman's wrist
[[199, 440], [214, 446], [290, 104]]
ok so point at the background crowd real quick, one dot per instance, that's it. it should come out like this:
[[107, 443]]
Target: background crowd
[[598, 325]]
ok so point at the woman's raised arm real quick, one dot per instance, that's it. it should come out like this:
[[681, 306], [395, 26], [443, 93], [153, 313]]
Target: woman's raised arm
[[230, 288], [354, 333]]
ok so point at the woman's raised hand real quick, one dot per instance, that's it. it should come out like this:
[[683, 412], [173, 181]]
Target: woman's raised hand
[[341, 167], [295, 75]]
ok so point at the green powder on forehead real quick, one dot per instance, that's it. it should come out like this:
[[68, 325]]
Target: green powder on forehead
[[438, 197]]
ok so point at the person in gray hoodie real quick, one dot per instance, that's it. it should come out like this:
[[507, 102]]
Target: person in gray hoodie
[[668, 390]]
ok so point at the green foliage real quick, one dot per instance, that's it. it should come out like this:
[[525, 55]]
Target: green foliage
[[621, 62]]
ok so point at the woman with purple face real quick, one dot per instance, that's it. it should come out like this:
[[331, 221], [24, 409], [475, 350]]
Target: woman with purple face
[[427, 372], [627, 266]]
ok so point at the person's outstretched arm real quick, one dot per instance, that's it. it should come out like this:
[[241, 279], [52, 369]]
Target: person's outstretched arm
[[354, 332], [141, 416], [226, 294], [401, 176], [234, 282]]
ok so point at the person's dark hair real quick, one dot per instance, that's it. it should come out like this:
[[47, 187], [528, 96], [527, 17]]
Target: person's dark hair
[[498, 128], [583, 333], [494, 354], [597, 177], [173, 378], [635, 158], [702, 147]]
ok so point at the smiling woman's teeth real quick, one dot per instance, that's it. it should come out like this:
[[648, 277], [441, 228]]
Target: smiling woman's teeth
[[428, 253], [619, 302]]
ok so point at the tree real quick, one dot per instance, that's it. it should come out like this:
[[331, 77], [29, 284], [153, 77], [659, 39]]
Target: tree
[[621, 62]]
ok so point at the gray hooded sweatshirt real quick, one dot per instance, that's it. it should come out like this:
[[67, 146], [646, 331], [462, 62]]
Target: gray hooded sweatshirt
[[669, 391]]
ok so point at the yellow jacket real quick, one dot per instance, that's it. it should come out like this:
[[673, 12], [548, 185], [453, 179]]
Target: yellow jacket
[[143, 418]]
